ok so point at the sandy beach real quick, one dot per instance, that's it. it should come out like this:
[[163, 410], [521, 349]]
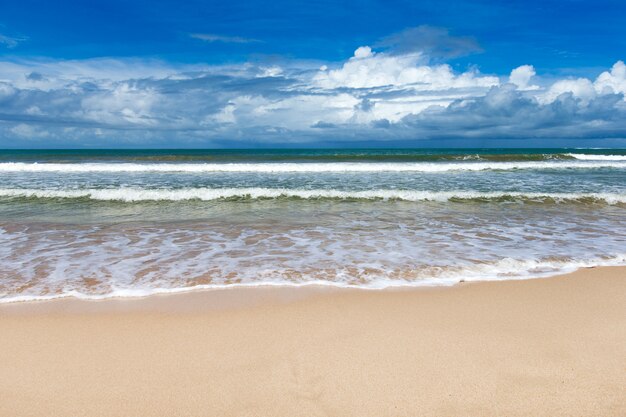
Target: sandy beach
[[542, 347]]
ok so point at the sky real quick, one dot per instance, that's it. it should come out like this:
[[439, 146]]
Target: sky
[[196, 74]]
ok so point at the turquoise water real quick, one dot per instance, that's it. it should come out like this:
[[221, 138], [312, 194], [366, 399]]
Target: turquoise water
[[296, 155], [134, 222]]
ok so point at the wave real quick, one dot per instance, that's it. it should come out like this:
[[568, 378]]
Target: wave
[[308, 167], [590, 157], [343, 157], [503, 270], [209, 194]]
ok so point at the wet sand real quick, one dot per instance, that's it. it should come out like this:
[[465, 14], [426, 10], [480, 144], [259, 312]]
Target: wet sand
[[543, 347]]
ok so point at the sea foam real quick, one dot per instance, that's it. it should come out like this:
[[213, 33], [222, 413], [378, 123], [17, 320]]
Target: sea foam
[[505, 269], [308, 167], [591, 157], [209, 194]]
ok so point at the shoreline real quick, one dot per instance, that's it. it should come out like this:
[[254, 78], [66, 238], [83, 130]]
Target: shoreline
[[313, 287], [551, 346]]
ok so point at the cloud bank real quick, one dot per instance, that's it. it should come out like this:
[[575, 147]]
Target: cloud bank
[[395, 95]]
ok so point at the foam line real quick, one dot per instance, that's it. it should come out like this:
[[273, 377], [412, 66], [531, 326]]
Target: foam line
[[307, 167], [209, 194], [591, 157], [498, 272]]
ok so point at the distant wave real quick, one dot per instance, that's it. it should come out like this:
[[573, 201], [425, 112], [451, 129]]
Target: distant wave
[[306, 167], [209, 194], [591, 157]]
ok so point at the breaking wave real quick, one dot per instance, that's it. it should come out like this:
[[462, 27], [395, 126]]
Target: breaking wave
[[208, 194], [587, 157], [315, 166]]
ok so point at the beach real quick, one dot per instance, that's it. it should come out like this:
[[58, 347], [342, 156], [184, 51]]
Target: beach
[[313, 282], [341, 209], [541, 347]]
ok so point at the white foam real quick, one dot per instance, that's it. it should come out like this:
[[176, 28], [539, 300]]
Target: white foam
[[591, 157], [208, 194], [506, 269], [306, 167]]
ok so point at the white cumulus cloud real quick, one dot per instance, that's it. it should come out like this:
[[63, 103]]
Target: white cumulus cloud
[[521, 77], [581, 88], [367, 69], [613, 81]]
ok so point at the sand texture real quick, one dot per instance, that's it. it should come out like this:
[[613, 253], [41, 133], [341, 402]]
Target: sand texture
[[544, 347]]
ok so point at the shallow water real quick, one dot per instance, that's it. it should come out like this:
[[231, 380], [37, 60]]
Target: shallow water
[[120, 223]]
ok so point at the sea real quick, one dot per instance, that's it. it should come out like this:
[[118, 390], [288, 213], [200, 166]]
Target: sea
[[96, 224]]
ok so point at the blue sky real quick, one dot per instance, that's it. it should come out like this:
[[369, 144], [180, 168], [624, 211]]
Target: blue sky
[[245, 73]]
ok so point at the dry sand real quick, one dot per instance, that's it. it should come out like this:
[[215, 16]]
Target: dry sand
[[545, 347]]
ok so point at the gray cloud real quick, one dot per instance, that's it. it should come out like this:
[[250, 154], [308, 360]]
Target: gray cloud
[[381, 124], [436, 42], [323, 125], [505, 113]]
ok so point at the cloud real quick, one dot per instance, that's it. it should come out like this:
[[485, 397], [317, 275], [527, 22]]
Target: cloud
[[125, 102], [372, 95], [35, 76], [607, 83], [29, 132], [362, 52], [581, 88], [521, 76], [381, 123], [47, 74], [367, 69], [323, 125], [435, 42], [11, 41], [505, 113], [208, 37], [613, 81]]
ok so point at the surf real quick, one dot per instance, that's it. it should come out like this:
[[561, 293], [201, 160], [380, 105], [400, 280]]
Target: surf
[[130, 195], [311, 167]]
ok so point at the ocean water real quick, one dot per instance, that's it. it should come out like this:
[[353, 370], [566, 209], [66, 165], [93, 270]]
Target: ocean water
[[97, 224]]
